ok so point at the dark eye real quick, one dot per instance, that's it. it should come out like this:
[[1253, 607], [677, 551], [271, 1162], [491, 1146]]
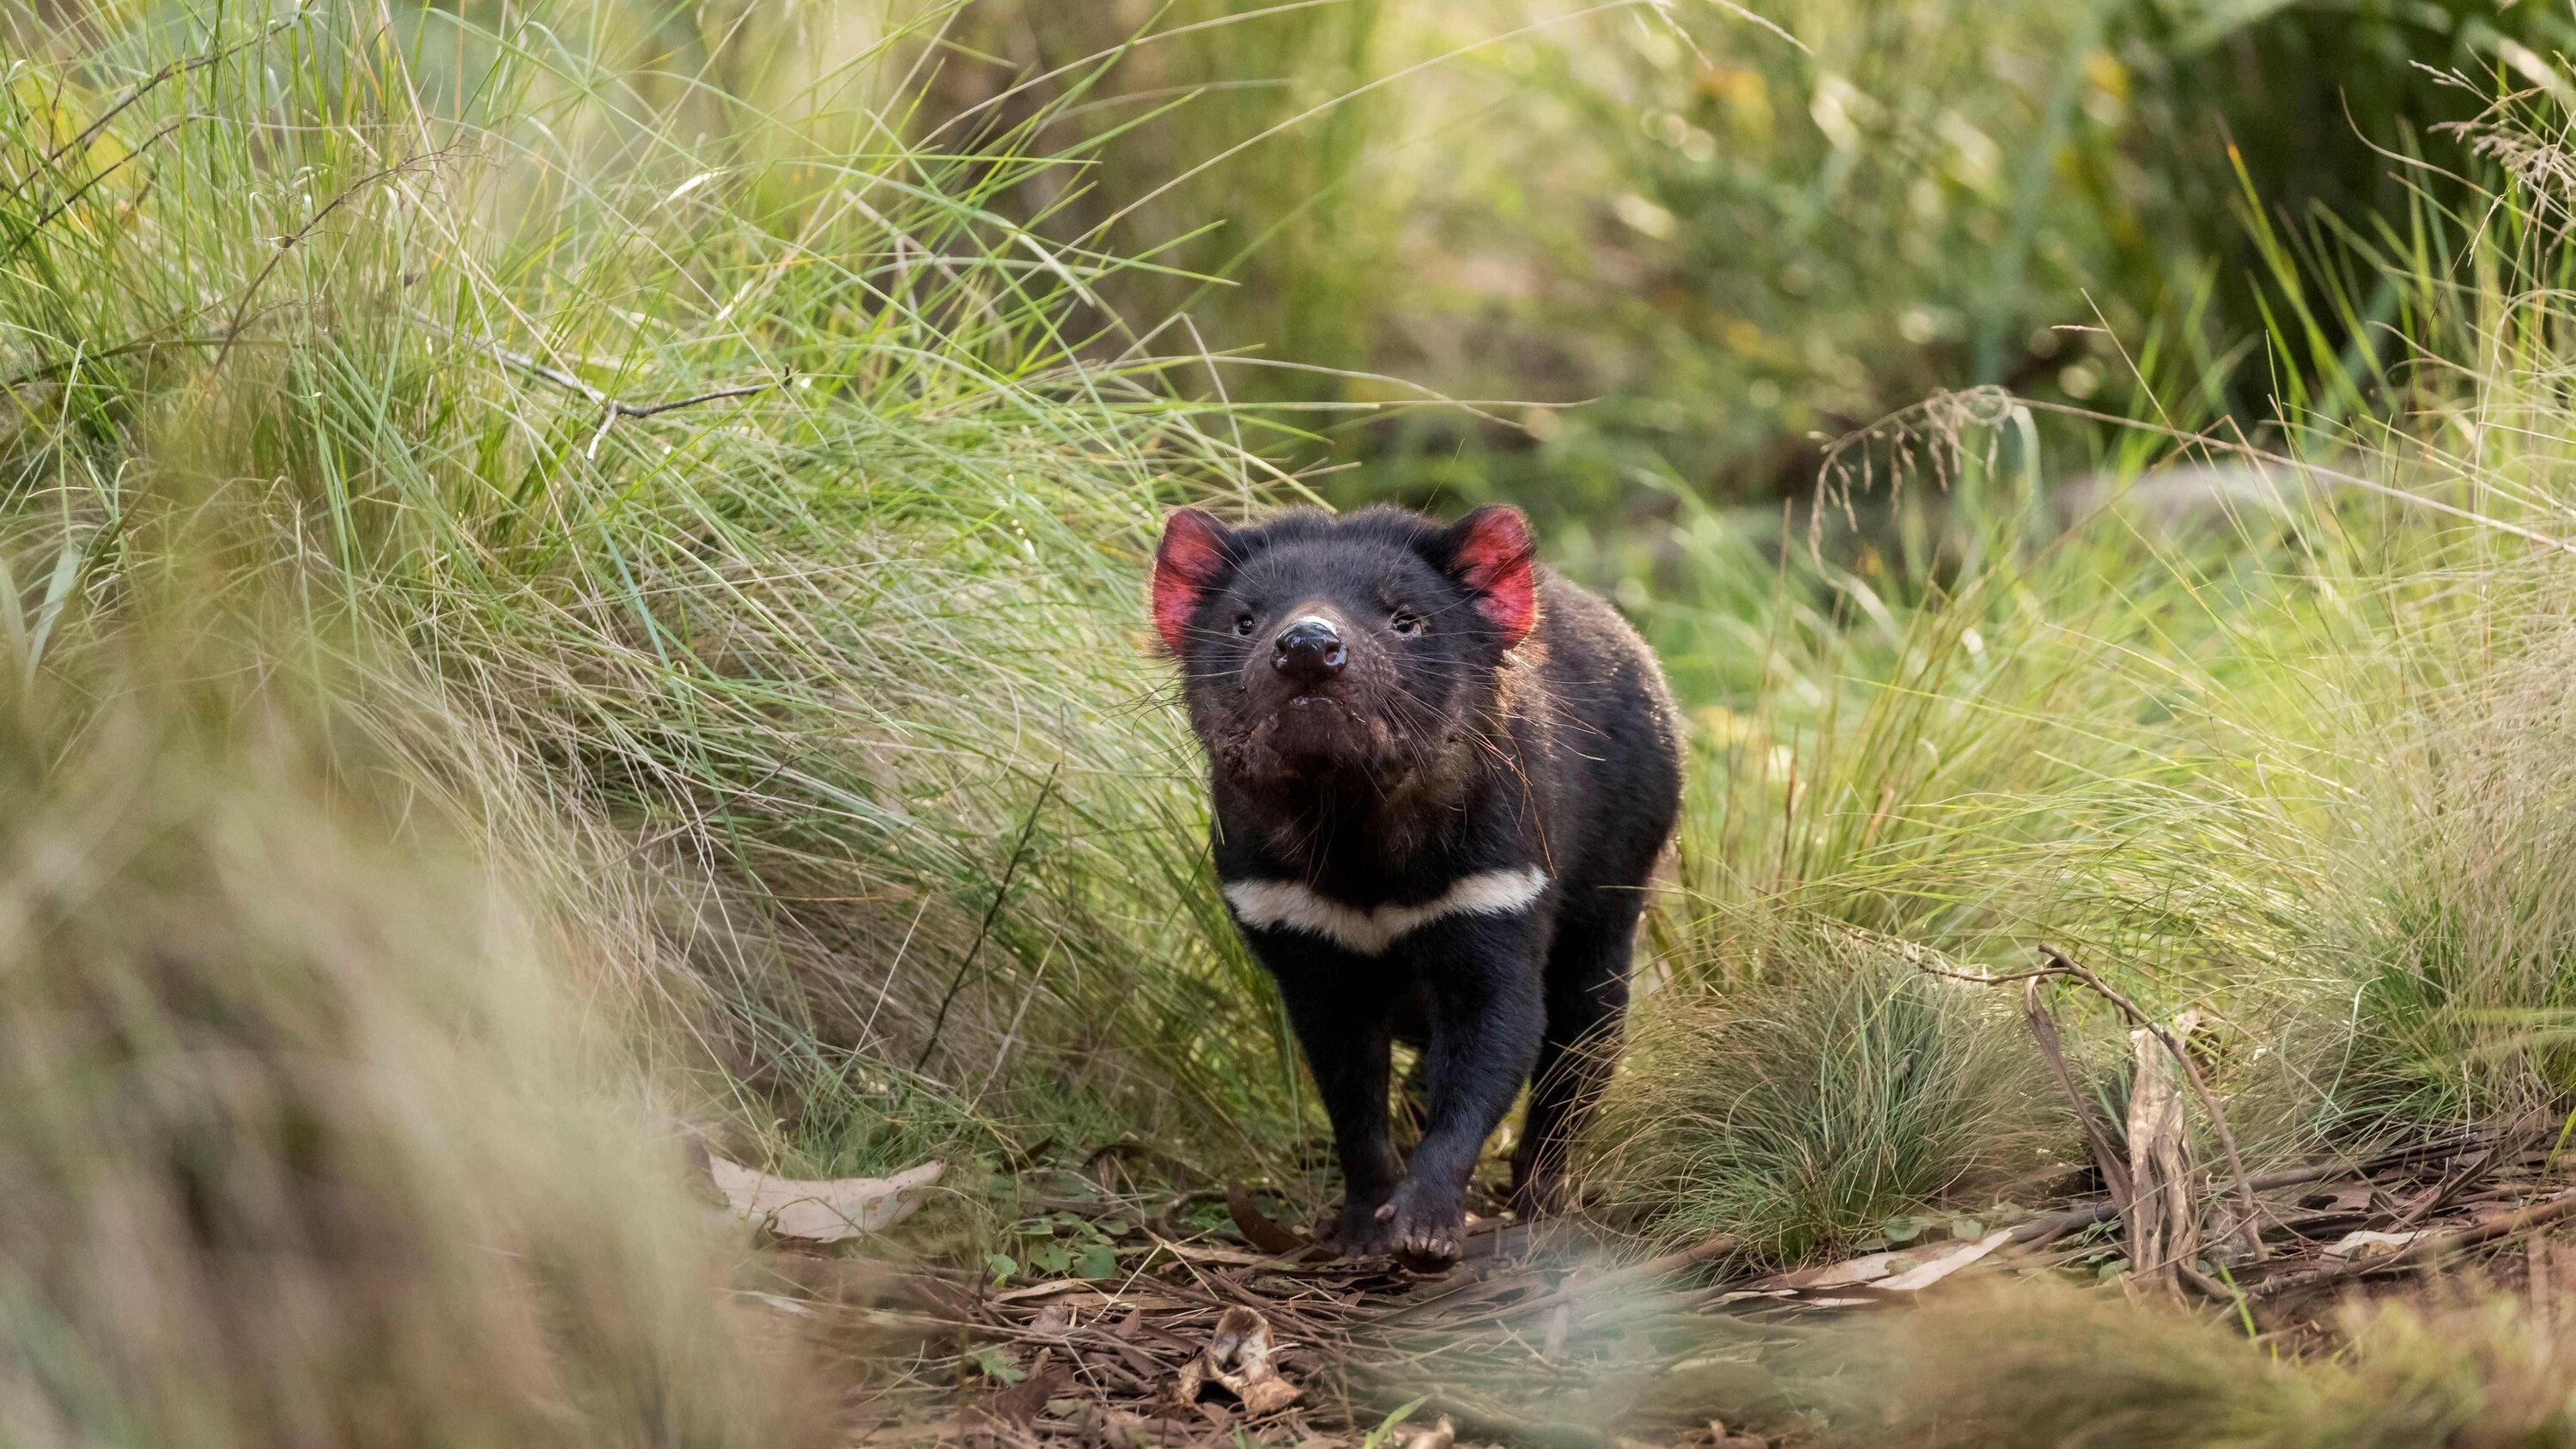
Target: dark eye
[[1243, 623], [1405, 622]]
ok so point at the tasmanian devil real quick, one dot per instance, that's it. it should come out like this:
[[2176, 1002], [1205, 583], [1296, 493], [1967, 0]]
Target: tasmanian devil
[[1442, 776]]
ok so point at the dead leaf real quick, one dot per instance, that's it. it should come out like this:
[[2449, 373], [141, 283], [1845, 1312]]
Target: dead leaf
[[1256, 1226], [1868, 1268], [1943, 1266], [1437, 1436], [1019, 1404], [1237, 1359], [823, 1212], [2366, 1244]]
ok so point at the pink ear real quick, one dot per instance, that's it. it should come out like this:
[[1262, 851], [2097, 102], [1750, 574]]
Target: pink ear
[[1491, 553], [1192, 554]]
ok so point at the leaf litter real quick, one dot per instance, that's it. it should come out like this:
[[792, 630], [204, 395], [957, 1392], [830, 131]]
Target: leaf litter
[[1248, 1333]]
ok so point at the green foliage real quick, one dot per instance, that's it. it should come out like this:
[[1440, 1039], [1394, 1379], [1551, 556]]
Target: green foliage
[[1228, 140], [1731, 234], [843, 644], [1826, 1087]]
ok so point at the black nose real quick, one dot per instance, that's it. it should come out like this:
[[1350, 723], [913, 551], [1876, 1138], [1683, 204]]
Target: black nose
[[1309, 649]]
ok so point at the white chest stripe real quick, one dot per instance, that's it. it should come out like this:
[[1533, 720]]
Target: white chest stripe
[[1287, 905]]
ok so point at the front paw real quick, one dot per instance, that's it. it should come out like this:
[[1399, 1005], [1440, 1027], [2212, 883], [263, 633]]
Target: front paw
[[1423, 1225], [1356, 1231]]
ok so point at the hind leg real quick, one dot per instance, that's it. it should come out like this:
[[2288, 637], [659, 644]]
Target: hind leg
[[1587, 994]]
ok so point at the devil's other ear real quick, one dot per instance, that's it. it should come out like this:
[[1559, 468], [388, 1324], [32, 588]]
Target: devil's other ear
[[1191, 558], [1492, 556]]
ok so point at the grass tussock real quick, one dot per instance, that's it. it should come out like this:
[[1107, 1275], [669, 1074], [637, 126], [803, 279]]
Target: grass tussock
[[2033, 1365], [317, 1138], [1825, 1090], [841, 650], [2455, 924]]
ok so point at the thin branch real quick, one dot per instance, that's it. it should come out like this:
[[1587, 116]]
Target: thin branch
[[2106, 1159], [19, 243], [612, 408], [1001, 892], [288, 242], [2060, 964], [2191, 1070], [541, 371], [144, 87]]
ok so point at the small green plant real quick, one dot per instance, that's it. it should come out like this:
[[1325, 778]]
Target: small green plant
[[1384, 1430]]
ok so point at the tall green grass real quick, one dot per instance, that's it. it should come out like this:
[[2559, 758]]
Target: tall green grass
[[371, 311], [2272, 730]]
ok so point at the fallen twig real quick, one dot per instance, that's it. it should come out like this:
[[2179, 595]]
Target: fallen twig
[[2060, 964], [2427, 1250], [2040, 1232]]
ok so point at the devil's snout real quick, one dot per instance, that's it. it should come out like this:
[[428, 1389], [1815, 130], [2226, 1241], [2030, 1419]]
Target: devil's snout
[[1309, 650]]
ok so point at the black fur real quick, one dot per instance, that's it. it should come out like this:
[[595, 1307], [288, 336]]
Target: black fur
[[1441, 750]]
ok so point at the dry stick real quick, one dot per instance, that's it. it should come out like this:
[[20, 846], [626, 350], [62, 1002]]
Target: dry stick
[[144, 87], [19, 242], [2039, 1232], [2423, 1252], [2060, 964], [617, 409], [611, 408], [2043, 1029], [2199, 1088], [288, 243], [1001, 893]]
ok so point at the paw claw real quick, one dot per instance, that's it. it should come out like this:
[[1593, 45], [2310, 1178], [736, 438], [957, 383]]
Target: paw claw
[[1425, 1227]]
